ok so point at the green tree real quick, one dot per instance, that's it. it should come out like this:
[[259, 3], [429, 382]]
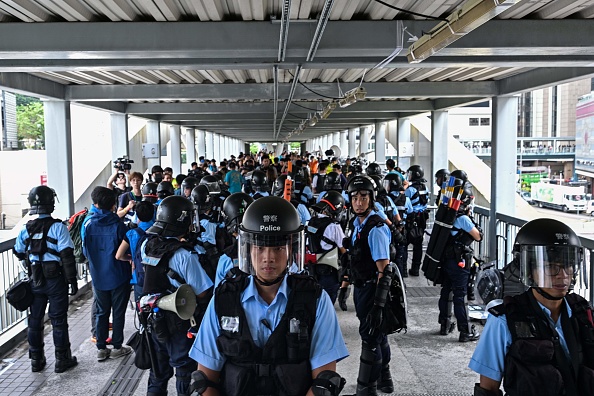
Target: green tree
[[24, 100], [30, 125]]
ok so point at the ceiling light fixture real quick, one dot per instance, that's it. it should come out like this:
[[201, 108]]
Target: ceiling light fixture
[[462, 21], [325, 113], [313, 120], [352, 96]]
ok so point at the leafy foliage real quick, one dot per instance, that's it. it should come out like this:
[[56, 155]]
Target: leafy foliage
[[30, 124], [24, 100]]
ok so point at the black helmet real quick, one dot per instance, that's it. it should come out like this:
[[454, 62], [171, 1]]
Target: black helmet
[[201, 198], [332, 203], [165, 189], [459, 174], [543, 246], [362, 183], [332, 182], [234, 207], [188, 185], [379, 184], [149, 192], [373, 169], [174, 217], [259, 181], [212, 183], [392, 182], [278, 188], [415, 172], [271, 222], [441, 176], [489, 285], [467, 194], [42, 200]]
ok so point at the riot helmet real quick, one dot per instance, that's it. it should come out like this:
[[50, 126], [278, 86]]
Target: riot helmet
[[259, 181], [332, 182], [233, 209], [459, 174], [278, 188], [441, 176], [271, 240], [188, 185], [489, 285], [212, 183], [549, 255], [165, 189], [415, 172], [373, 169], [332, 203], [42, 200], [149, 192], [378, 183], [361, 185], [467, 196], [392, 183], [174, 217], [201, 198]]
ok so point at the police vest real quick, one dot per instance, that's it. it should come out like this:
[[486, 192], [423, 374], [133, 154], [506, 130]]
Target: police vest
[[157, 253], [362, 264], [282, 366], [535, 363], [315, 229], [458, 244], [421, 191], [400, 202], [36, 243], [383, 200], [320, 183]]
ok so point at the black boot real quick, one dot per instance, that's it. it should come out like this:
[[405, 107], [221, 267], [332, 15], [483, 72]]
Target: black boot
[[414, 270], [385, 383], [471, 334], [64, 360], [366, 390], [37, 361], [447, 326]]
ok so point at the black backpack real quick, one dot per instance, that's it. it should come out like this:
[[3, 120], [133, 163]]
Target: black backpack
[[315, 234]]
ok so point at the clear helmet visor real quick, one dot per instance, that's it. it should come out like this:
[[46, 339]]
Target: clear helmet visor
[[267, 256], [553, 267]]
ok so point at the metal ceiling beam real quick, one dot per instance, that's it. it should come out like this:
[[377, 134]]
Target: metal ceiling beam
[[382, 90], [542, 78], [228, 109], [28, 84], [248, 117], [122, 44]]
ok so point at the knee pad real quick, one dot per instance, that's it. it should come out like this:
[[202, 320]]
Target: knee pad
[[327, 383], [60, 323]]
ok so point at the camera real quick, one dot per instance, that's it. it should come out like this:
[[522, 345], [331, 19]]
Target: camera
[[123, 163]]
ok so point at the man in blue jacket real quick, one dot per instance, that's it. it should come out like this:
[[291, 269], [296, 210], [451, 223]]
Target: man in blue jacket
[[102, 234]]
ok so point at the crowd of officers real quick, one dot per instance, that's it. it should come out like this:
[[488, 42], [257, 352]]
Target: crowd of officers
[[268, 247]]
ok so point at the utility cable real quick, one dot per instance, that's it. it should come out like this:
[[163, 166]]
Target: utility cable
[[410, 12], [303, 107], [312, 91]]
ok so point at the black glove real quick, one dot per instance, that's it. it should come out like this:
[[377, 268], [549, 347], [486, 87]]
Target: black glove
[[73, 286], [374, 317], [343, 294], [397, 236]]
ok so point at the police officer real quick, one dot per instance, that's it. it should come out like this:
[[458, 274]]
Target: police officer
[[540, 342], [259, 184], [441, 176], [393, 185], [278, 189], [170, 262], [368, 241], [45, 245], [233, 209], [417, 221], [268, 331], [455, 269]]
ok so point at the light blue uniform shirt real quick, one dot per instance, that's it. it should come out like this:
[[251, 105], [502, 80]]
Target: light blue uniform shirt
[[225, 264], [327, 344], [304, 214], [379, 238], [210, 231], [462, 223], [406, 209], [187, 265], [416, 202], [489, 356], [58, 231]]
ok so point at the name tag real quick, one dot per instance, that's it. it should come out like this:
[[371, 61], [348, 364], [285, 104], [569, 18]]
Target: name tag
[[230, 323]]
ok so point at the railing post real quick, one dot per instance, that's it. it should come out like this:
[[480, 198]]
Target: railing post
[[3, 220]]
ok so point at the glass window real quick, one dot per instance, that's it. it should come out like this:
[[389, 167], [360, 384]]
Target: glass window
[[485, 121], [473, 121]]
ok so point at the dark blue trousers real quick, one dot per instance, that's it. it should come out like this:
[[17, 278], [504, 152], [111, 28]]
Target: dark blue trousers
[[455, 280], [106, 301], [54, 291]]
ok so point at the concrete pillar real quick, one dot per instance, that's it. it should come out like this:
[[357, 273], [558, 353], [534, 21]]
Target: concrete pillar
[[344, 147], [336, 139], [352, 142], [380, 143], [175, 155], [201, 142], [392, 133], [364, 140], [119, 135], [403, 137], [190, 146], [503, 162], [58, 146], [439, 144], [153, 137], [209, 145]]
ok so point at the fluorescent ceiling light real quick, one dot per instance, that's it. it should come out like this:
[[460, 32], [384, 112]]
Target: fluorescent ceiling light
[[313, 120], [462, 21], [327, 110], [352, 96]]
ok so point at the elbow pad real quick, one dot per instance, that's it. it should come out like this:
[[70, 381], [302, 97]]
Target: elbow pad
[[478, 391], [327, 383], [20, 256], [68, 263], [382, 288], [200, 383]]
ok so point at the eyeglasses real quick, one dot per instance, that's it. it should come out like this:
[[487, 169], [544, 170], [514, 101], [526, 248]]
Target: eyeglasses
[[554, 269]]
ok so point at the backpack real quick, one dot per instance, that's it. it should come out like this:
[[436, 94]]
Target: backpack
[[315, 234], [137, 256], [75, 224]]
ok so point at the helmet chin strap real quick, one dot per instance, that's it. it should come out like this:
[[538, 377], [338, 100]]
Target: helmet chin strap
[[547, 295], [274, 282]]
